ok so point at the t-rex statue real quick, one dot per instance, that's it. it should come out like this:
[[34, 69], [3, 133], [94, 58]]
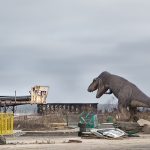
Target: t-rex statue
[[129, 95]]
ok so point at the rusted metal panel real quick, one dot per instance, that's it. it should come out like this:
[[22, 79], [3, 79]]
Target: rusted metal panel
[[13, 98]]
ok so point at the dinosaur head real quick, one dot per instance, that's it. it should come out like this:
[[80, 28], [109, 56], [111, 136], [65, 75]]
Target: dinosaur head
[[94, 85], [98, 85]]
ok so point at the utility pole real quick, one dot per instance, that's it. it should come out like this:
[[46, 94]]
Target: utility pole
[[13, 109], [15, 96]]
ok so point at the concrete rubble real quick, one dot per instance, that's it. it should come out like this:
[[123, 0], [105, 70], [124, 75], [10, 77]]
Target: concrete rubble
[[145, 124]]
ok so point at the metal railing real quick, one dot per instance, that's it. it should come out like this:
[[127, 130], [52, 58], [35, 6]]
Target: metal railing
[[6, 123]]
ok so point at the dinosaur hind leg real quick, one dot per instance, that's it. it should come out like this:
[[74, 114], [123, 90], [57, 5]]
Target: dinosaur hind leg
[[133, 112], [124, 114]]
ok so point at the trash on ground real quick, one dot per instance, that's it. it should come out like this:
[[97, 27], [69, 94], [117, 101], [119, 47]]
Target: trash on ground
[[109, 132], [74, 141]]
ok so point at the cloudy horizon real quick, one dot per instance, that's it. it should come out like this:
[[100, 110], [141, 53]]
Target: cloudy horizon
[[65, 44]]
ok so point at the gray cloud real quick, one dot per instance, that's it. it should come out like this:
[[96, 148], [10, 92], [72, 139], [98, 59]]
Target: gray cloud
[[65, 44]]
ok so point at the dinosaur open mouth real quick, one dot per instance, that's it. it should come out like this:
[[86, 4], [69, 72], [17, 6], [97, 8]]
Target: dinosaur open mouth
[[99, 93]]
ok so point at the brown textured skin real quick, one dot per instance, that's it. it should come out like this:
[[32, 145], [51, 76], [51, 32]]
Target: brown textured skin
[[128, 94]]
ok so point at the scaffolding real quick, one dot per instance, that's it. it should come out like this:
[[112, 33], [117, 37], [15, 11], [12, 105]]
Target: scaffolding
[[38, 95]]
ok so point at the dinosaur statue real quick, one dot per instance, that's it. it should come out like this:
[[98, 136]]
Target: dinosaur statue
[[129, 95]]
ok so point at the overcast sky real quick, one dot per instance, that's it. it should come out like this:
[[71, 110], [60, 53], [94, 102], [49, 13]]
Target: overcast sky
[[66, 43]]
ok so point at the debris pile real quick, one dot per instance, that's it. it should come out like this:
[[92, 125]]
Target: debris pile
[[145, 124], [108, 132], [104, 133]]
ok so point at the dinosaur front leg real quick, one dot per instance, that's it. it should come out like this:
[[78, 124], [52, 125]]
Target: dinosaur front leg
[[124, 96]]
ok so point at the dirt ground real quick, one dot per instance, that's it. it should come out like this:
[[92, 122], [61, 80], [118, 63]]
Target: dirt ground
[[61, 143]]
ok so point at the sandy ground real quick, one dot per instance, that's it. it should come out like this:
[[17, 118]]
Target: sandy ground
[[60, 143]]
